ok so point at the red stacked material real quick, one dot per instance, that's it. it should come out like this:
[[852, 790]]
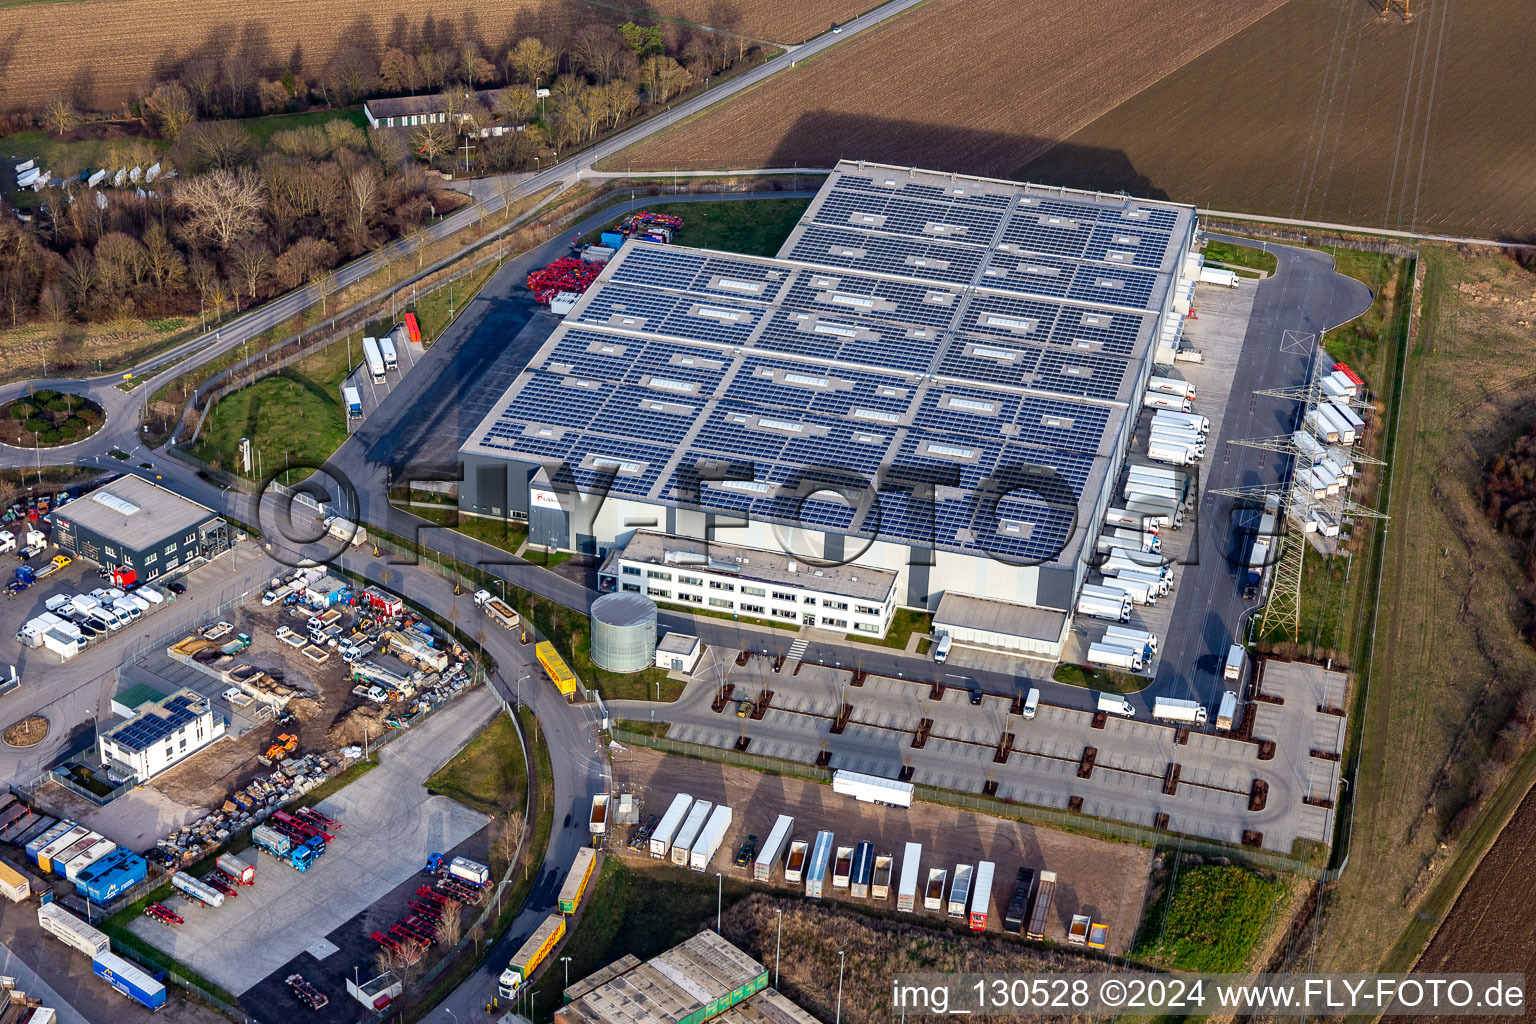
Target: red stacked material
[[567, 274], [645, 218], [1351, 374]]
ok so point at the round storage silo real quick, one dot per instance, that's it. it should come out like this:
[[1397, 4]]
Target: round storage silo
[[623, 632]]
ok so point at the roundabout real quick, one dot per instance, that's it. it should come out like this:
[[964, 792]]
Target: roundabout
[[28, 732], [48, 419]]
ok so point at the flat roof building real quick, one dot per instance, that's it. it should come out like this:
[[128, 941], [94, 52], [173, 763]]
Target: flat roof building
[[936, 376], [705, 978], [134, 524], [161, 734]]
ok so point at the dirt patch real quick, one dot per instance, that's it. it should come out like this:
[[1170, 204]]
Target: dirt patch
[[977, 86], [1103, 879], [1482, 935], [1363, 122], [28, 732]]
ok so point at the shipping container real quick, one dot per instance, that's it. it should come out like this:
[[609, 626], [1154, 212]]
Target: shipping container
[[703, 849], [63, 842], [470, 871], [129, 979], [555, 667], [816, 868], [768, 856], [698, 815], [906, 894], [72, 931], [576, 881], [960, 890], [1040, 913], [981, 896], [98, 850], [666, 831], [13, 884]]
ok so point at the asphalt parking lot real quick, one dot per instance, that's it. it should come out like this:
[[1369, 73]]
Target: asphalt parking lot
[[1103, 879], [390, 825]]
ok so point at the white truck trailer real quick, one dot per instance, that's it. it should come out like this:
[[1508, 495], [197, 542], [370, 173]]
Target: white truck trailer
[[960, 890], [1171, 386], [1227, 713], [1116, 608], [872, 789], [1136, 639], [1161, 510], [818, 865], [666, 829], [196, 890], [72, 931], [906, 893], [1122, 659], [1156, 400], [374, 359], [1237, 660], [1119, 517], [1219, 277], [981, 896], [1193, 419], [768, 856], [704, 848], [1114, 704], [387, 352], [1173, 709], [682, 846], [1172, 454]]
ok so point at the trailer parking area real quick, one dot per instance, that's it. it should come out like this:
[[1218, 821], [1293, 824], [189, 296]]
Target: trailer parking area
[[1103, 879], [390, 825]]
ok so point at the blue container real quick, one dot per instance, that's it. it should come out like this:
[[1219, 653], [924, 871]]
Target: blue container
[[129, 979], [612, 239], [118, 871]]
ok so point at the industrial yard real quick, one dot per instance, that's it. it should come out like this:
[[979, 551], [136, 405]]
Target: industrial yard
[[1102, 879]]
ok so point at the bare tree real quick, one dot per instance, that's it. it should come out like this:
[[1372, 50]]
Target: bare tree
[[60, 116], [451, 928], [514, 105], [509, 837], [170, 106], [394, 70], [252, 260], [215, 144], [80, 274], [363, 195], [223, 206]]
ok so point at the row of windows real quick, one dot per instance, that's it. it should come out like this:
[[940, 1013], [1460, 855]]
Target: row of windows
[[788, 597]]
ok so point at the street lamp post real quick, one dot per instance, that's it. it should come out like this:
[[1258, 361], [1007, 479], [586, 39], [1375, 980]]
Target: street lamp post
[[778, 939], [719, 898], [840, 960], [567, 961]]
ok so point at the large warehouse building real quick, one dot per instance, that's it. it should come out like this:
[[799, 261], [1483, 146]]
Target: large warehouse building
[[934, 379], [139, 529]]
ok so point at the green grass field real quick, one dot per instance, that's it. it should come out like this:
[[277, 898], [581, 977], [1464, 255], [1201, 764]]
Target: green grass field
[[1099, 679], [1240, 256], [434, 308], [66, 158], [263, 128], [292, 418], [1209, 919], [756, 227], [903, 624], [488, 775]]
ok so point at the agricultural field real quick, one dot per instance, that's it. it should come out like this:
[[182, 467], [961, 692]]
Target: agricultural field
[[917, 90], [1209, 918], [102, 52], [1363, 121], [1450, 660]]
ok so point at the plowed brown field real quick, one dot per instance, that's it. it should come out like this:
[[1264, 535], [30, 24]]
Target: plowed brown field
[[1487, 931], [103, 51], [1321, 111], [980, 86]]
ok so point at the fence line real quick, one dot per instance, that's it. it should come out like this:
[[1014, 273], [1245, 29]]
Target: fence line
[[1033, 813]]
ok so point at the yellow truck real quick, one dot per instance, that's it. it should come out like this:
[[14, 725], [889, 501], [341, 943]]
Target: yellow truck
[[535, 951], [576, 881], [555, 667]]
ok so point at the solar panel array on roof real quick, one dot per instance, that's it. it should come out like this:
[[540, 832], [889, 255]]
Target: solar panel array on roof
[[157, 723], [985, 338]]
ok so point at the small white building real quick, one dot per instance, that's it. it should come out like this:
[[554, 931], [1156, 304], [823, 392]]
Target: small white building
[[679, 652], [752, 582], [1001, 625], [161, 735]]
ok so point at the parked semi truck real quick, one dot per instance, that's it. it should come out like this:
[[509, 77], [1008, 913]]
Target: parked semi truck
[[666, 829], [933, 891], [1103, 606], [1125, 636], [576, 880], [354, 402], [196, 890], [1171, 386], [14, 885], [906, 894], [768, 856], [960, 890], [818, 863], [1018, 904], [72, 931], [389, 355], [880, 883], [1174, 709], [842, 867], [707, 844], [794, 863], [692, 826], [981, 896], [1193, 419], [1237, 660], [1155, 400], [129, 979], [234, 867], [497, 609], [597, 818], [863, 870], [1040, 913], [298, 856], [470, 871], [532, 953], [872, 788]]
